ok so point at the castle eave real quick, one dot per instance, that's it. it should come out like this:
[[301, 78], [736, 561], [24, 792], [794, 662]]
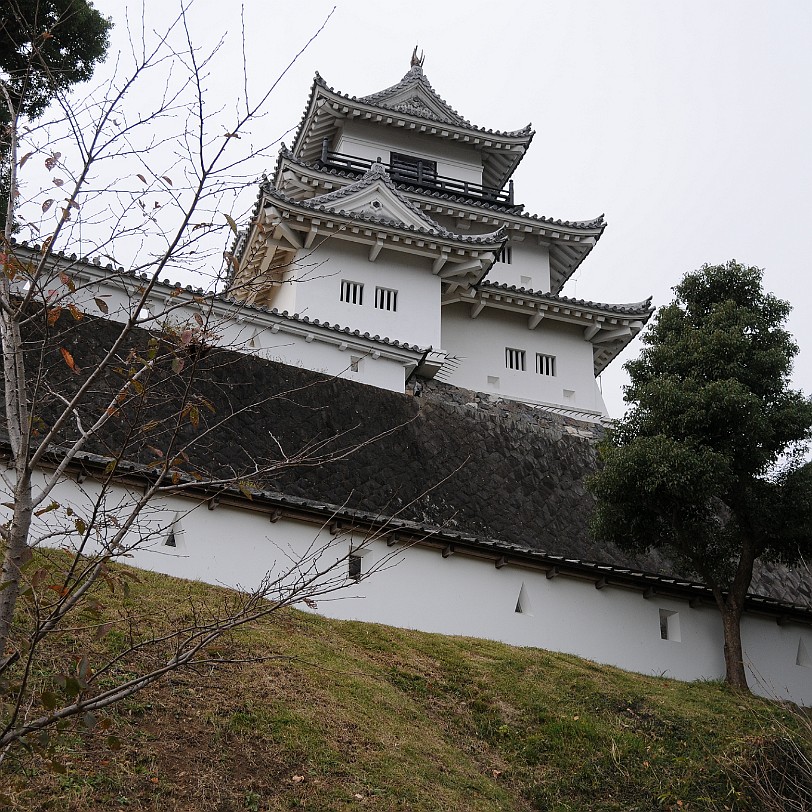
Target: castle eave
[[502, 151], [608, 328]]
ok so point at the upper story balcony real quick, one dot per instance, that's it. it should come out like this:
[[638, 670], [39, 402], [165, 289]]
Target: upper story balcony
[[407, 170]]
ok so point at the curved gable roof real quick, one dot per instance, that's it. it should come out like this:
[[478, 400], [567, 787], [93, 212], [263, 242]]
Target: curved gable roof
[[414, 95], [396, 211], [411, 103]]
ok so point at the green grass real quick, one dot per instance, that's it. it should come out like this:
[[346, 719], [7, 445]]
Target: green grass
[[339, 716]]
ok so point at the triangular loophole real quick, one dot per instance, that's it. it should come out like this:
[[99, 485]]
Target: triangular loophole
[[522, 602], [803, 658], [174, 535]]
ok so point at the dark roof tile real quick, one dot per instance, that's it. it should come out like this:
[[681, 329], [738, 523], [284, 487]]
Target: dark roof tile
[[429, 463]]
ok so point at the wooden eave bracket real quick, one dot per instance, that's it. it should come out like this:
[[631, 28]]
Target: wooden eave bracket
[[311, 235], [438, 263], [591, 331], [375, 249], [448, 550], [461, 268], [612, 335], [275, 222], [275, 515], [553, 572], [288, 233]]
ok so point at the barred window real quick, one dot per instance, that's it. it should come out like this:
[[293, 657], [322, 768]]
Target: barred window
[[386, 299], [545, 364], [352, 292], [515, 359], [506, 254]]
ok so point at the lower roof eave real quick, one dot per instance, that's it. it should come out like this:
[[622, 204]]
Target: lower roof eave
[[394, 530]]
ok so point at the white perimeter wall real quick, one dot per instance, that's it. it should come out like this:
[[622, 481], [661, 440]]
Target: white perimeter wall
[[480, 345], [417, 588]]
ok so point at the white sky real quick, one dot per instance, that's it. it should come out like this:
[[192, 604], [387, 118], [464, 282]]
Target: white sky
[[687, 123]]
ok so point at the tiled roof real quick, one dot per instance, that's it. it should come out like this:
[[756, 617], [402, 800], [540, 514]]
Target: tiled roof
[[596, 223], [324, 203], [226, 300], [642, 309], [503, 477], [376, 174], [416, 80]]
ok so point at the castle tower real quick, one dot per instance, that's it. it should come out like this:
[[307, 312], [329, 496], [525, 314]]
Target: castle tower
[[394, 215]]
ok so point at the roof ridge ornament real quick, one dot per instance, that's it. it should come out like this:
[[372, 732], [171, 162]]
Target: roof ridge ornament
[[417, 61]]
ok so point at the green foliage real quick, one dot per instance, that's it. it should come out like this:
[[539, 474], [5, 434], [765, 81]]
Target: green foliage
[[708, 458], [46, 46]]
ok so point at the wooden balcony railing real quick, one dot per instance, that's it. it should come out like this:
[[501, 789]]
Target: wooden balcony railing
[[420, 177]]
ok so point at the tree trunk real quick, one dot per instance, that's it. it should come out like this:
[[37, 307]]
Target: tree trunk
[[17, 551], [731, 607], [735, 674]]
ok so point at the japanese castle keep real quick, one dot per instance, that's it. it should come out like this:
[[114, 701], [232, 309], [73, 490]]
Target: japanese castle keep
[[389, 256], [395, 216]]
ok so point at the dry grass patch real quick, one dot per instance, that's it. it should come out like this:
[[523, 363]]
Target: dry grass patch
[[335, 716]]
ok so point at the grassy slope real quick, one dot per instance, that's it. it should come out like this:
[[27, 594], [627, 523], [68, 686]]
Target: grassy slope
[[370, 717]]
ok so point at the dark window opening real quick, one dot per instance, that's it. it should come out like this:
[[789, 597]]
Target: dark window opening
[[410, 169], [352, 292], [386, 299], [506, 254], [545, 364], [354, 568], [515, 359]]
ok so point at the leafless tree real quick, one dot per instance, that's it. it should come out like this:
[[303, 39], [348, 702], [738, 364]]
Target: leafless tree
[[107, 174]]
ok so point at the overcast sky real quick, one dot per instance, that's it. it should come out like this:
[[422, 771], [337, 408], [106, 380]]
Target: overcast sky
[[687, 123]]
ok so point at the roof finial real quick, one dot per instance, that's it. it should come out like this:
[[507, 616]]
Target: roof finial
[[417, 61]]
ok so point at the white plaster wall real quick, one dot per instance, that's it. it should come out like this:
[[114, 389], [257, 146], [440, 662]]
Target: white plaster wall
[[371, 142], [364, 365], [480, 345], [415, 587], [530, 266], [244, 330], [417, 319], [771, 657]]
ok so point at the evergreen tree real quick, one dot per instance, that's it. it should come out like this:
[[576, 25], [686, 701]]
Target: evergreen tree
[[46, 46], [708, 463]]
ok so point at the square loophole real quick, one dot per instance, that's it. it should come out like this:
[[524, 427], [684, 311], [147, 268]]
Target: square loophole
[[669, 626]]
